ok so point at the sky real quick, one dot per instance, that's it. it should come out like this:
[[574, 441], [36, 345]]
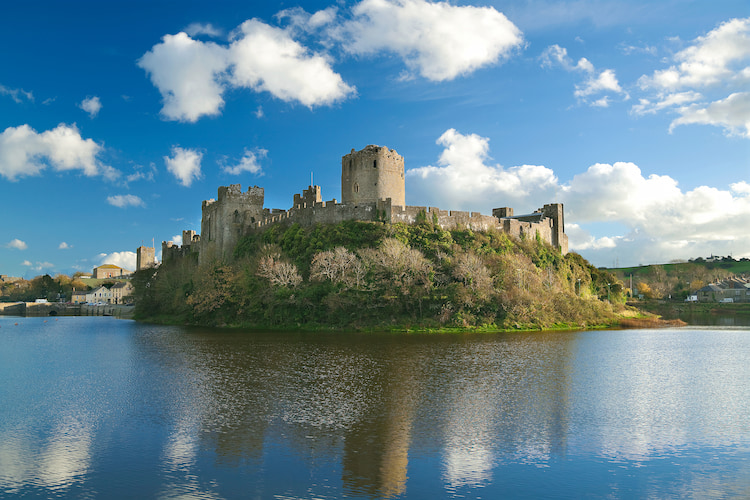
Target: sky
[[117, 119]]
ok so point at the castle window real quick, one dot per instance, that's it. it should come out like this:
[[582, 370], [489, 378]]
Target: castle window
[[356, 188], [375, 164]]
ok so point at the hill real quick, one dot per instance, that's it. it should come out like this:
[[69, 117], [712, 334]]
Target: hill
[[679, 279], [369, 275]]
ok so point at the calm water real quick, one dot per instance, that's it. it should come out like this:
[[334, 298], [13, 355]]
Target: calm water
[[104, 408]]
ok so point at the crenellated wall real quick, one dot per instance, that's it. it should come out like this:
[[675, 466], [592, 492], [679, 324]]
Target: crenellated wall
[[372, 190]]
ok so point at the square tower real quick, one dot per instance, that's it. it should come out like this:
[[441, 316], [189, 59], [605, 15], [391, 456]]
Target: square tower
[[372, 174], [145, 258]]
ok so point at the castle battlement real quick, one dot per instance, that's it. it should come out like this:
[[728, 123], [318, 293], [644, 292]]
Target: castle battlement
[[372, 189]]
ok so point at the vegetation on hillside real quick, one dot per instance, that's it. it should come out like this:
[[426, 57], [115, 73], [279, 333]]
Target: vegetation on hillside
[[373, 275], [42, 287], [677, 280]]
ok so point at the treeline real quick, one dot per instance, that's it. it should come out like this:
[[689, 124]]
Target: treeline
[[373, 275], [59, 288], [677, 280]]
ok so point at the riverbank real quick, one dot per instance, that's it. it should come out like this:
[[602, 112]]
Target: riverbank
[[44, 309]]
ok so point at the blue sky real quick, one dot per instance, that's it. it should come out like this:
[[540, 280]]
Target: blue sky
[[118, 118]]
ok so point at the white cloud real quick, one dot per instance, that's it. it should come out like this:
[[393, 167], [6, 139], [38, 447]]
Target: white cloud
[[64, 246], [581, 240], [265, 58], [24, 152], [17, 244], [464, 175], [710, 60], [717, 64], [645, 106], [27, 263], [38, 266], [248, 163], [125, 260], [91, 105], [299, 19], [185, 164], [637, 218], [437, 40], [16, 94], [177, 239], [208, 29], [141, 173], [732, 113], [192, 76], [125, 200], [189, 74], [595, 83]]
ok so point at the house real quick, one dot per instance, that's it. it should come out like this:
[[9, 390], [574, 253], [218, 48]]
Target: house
[[122, 292], [78, 296], [729, 290], [110, 271], [99, 295]]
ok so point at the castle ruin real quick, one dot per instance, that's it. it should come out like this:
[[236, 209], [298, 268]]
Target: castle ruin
[[372, 189]]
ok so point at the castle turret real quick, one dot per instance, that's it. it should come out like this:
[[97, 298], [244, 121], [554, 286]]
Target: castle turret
[[555, 212], [225, 220], [145, 257], [372, 174]]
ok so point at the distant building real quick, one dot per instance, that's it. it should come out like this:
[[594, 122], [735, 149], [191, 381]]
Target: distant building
[[145, 258], [110, 271], [4, 278], [78, 297], [98, 295], [122, 292], [729, 290]]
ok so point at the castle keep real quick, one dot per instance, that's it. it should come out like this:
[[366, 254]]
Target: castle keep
[[372, 189]]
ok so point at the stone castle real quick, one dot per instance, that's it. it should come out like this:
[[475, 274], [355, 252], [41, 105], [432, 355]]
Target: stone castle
[[372, 189]]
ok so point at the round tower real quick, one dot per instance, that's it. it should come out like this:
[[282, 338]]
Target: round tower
[[372, 174]]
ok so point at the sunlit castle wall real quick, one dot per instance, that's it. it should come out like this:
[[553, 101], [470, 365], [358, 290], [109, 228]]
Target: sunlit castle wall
[[372, 174]]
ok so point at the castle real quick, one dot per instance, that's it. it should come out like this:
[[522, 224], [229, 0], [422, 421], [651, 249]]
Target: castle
[[372, 189]]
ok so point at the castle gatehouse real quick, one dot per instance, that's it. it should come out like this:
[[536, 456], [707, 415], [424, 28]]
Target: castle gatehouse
[[372, 189]]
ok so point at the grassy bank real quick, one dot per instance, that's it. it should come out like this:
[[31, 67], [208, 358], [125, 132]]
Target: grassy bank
[[373, 276]]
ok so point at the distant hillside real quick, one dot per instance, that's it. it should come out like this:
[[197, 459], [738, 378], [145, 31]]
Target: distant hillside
[[677, 280], [367, 275]]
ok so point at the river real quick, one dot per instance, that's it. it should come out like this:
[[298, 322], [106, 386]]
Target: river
[[95, 407]]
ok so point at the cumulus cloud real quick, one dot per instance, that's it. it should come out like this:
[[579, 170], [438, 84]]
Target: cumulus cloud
[[611, 210], [266, 58], [64, 246], [465, 174], [248, 163], [125, 200], [717, 64], [185, 164], [192, 75], [595, 83], [177, 239], [125, 260], [718, 57], [17, 244], [16, 94], [24, 151], [732, 113], [437, 40], [91, 105], [198, 29], [189, 74]]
